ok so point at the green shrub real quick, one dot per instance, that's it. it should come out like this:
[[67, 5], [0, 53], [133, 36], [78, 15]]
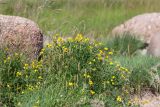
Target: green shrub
[[16, 76], [78, 71]]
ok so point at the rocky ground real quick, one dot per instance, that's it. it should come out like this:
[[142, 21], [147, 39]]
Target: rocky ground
[[148, 99]]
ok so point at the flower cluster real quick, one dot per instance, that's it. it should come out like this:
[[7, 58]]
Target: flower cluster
[[89, 65]]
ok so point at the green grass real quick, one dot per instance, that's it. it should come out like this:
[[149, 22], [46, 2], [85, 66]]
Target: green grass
[[124, 45], [95, 19], [143, 76], [69, 17]]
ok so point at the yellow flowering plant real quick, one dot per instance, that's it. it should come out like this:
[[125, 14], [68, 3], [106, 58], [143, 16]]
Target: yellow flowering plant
[[76, 63], [87, 64], [17, 75]]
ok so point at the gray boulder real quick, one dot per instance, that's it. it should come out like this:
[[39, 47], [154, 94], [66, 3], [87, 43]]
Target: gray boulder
[[19, 34], [142, 26], [154, 46], [145, 27]]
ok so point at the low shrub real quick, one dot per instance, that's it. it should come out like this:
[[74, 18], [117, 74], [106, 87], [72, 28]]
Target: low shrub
[[17, 75], [79, 71]]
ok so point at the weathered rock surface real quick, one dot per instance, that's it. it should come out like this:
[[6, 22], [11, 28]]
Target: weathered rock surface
[[154, 46], [142, 26], [148, 99], [20, 35]]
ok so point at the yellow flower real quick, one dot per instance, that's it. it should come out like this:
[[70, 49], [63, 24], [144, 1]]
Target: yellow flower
[[19, 103], [60, 40], [99, 57], [90, 47], [86, 39], [123, 76], [56, 34], [83, 91], [18, 74], [86, 75], [129, 103], [37, 102], [90, 82], [35, 70], [79, 37], [119, 99], [5, 61], [106, 56], [111, 63], [16, 54], [99, 43], [8, 85], [42, 51], [113, 77], [70, 39], [8, 58], [126, 69], [49, 45], [122, 68], [6, 49], [117, 65], [33, 64], [96, 44], [70, 84], [94, 69], [126, 91], [35, 106], [65, 49], [90, 63], [101, 52], [92, 92], [108, 82], [136, 99], [145, 102], [110, 53], [30, 88], [25, 66], [113, 83], [106, 49], [26, 76], [40, 77]]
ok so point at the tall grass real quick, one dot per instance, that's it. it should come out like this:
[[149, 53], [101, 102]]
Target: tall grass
[[69, 17], [144, 74], [125, 44]]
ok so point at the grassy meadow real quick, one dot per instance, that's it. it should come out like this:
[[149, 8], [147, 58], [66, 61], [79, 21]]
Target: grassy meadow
[[78, 71], [69, 17]]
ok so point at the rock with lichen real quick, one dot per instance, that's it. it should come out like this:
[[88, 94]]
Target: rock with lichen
[[19, 34]]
